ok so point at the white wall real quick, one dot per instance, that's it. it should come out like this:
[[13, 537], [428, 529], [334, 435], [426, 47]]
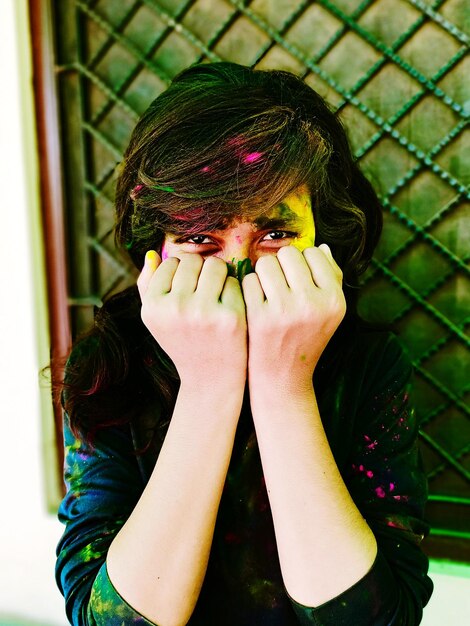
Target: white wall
[[28, 534], [450, 603]]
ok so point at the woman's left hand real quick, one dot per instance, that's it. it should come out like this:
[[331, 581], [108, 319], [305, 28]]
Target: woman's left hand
[[294, 303]]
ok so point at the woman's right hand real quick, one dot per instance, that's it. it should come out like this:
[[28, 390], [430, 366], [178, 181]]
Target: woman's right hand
[[197, 315]]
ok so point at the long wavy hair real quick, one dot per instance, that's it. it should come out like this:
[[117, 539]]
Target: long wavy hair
[[223, 142]]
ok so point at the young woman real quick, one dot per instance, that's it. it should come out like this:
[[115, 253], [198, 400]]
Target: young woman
[[240, 447]]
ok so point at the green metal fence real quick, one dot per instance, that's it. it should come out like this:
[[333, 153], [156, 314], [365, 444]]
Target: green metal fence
[[396, 70]]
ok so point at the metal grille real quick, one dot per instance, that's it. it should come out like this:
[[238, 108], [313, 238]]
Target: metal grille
[[395, 69]]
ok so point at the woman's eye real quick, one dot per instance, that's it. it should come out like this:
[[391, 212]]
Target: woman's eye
[[287, 234], [194, 238]]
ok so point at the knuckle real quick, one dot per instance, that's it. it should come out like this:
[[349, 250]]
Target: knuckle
[[338, 305], [312, 252], [171, 260], [266, 259], [189, 258], [286, 251], [215, 261]]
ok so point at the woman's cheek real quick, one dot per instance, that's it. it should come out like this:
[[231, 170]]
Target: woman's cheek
[[301, 243], [164, 252]]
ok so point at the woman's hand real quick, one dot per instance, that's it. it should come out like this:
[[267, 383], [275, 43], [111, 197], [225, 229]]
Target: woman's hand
[[197, 315], [294, 303]]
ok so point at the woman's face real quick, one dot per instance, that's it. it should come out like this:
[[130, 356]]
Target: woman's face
[[289, 223]]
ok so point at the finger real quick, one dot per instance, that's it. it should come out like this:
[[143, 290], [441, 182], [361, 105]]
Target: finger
[[295, 267], [253, 293], [152, 261], [327, 250], [322, 271], [271, 277], [187, 274], [162, 279], [231, 295], [212, 278]]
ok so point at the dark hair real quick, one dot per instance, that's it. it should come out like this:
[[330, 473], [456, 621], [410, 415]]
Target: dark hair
[[189, 167]]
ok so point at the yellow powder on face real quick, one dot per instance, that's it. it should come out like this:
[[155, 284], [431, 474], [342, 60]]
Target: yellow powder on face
[[301, 204]]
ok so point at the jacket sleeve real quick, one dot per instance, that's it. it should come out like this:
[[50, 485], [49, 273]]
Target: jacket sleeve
[[386, 479], [103, 486]]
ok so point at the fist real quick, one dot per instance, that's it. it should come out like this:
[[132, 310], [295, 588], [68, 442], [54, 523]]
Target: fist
[[197, 315], [294, 302]]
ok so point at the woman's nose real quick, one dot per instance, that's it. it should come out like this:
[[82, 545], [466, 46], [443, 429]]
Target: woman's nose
[[240, 269], [240, 260], [238, 250]]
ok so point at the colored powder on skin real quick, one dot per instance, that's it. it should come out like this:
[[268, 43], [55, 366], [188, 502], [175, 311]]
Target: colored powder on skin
[[164, 253], [240, 270], [243, 268], [300, 204]]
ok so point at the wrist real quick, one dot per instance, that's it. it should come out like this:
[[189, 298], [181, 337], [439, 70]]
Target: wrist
[[283, 382], [226, 378], [213, 389], [278, 401]]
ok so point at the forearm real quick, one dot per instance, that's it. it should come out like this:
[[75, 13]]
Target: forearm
[[325, 546], [158, 560]]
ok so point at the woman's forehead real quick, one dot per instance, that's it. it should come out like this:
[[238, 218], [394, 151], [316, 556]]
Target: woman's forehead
[[292, 212], [295, 205]]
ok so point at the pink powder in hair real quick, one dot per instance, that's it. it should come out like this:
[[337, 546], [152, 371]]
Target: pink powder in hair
[[393, 525], [134, 192], [191, 215], [252, 157]]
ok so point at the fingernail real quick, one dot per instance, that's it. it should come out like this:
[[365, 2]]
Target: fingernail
[[151, 257]]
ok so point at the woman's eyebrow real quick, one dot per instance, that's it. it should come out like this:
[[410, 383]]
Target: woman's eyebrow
[[263, 223], [287, 218], [186, 228]]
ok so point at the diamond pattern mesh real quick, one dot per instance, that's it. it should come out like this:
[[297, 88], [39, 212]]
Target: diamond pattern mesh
[[396, 70]]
